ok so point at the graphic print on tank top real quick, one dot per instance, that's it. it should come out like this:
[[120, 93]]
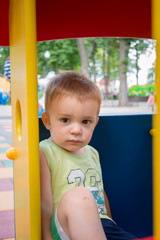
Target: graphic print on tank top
[[92, 180]]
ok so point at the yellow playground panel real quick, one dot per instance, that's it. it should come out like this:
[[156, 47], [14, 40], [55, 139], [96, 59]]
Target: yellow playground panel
[[156, 138], [23, 57], [23, 40]]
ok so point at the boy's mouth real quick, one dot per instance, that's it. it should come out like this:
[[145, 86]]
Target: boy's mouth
[[74, 141]]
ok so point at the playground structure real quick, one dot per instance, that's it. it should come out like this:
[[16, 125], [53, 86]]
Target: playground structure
[[72, 19]]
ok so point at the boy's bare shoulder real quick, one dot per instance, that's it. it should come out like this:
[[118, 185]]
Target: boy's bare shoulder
[[93, 150]]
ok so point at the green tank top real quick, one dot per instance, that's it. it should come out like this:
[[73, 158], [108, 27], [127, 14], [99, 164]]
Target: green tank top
[[68, 171]]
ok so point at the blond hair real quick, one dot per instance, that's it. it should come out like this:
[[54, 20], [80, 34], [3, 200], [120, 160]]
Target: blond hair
[[71, 83]]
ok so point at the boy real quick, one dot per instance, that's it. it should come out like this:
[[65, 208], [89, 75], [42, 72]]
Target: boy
[[74, 204]]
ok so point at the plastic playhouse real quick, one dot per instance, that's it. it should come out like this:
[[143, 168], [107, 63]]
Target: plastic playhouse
[[132, 181]]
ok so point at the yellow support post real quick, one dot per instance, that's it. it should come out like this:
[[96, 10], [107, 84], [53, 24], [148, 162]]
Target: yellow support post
[[156, 122], [24, 90]]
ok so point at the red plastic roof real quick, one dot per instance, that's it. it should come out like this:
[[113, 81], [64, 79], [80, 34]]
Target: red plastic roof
[[85, 18]]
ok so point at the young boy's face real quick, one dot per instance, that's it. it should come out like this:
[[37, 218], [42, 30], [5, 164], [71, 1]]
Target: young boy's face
[[71, 122]]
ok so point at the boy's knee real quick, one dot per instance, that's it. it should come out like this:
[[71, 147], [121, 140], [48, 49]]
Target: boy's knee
[[77, 194], [76, 204], [76, 197]]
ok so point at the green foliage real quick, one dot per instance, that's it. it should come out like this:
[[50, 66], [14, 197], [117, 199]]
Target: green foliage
[[103, 56], [141, 90], [4, 53], [106, 56], [63, 56], [136, 48]]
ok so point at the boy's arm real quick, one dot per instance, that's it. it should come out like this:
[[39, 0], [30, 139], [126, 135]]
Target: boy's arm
[[46, 198], [107, 205]]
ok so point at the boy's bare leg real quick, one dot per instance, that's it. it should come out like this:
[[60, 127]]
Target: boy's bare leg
[[78, 215]]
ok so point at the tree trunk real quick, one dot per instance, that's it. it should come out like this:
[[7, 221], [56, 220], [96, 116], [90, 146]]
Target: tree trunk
[[93, 68], [104, 63], [123, 96], [137, 68], [108, 64], [108, 68], [83, 56], [105, 76]]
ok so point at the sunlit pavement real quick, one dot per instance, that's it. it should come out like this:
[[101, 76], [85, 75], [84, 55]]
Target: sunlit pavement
[[6, 181], [110, 107]]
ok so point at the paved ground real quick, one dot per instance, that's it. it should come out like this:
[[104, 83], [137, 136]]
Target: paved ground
[[111, 108], [6, 182], [108, 108], [6, 166]]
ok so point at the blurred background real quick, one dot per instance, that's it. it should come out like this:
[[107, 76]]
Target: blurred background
[[123, 68]]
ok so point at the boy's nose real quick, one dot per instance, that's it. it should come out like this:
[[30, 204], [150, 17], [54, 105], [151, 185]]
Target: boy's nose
[[76, 129]]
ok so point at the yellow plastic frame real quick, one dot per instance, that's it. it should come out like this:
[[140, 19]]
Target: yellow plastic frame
[[156, 122], [23, 55]]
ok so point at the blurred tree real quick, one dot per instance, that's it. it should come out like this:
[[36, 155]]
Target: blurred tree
[[83, 56], [103, 57], [130, 51], [123, 95], [138, 47], [91, 47], [63, 56], [4, 53], [110, 47]]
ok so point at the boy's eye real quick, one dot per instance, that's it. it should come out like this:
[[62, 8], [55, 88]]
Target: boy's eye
[[86, 121], [65, 120]]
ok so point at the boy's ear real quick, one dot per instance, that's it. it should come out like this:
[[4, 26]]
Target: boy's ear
[[97, 121], [46, 121]]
